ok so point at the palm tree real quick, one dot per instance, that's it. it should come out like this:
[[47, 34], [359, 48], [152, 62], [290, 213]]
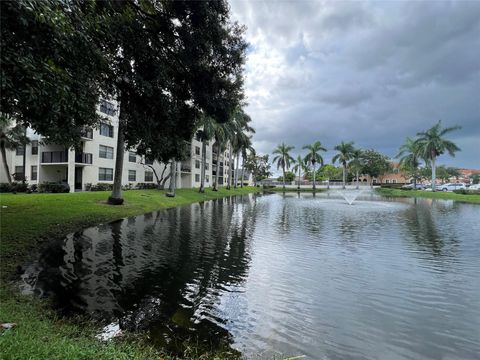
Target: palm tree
[[299, 166], [314, 157], [247, 147], [356, 163], [205, 133], [11, 137], [283, 158], [345, 151], [408, 156], [432, 144], [222, 134]]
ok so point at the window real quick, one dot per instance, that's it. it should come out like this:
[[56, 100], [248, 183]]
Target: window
[[207, 178], [106, 129], [394, 181], [105, 174], [148, 176], [206, 166], [33, 175], [106, 152], [19, 172], [197, 177], [35, 147], [197, 150], [132, 175], [132, 156], [20, 150], [387, 181], [107, 107], [197, 164]]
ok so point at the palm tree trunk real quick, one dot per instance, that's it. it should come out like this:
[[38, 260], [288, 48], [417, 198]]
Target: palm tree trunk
[[236, 172], [243, 172], [5, 163], [298, 184], [344, 175], [116, 197], [217, 172], [283, 169], [202, 170], [356, 174], [173, 178], [314, 187], [231, 167], [434, 170], [24, 157]]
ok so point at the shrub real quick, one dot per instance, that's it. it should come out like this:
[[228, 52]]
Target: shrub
[[146, 186], [53, 187], [99, 187], [392, 186], [13, 187], [467, 192], [269, 186]]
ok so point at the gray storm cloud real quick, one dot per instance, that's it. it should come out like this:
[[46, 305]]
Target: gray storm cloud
[[367, 72]]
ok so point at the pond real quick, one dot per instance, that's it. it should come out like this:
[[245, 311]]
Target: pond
[[283, 274]]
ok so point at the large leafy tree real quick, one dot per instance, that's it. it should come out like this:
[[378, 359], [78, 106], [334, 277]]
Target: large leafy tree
[[431, 144], [283, 159], [313, 156], [52, 70], [345, 152], [375, 164], [258, 165], [172, 63]]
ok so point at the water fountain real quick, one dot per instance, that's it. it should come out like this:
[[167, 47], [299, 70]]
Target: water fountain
[[350, 195]]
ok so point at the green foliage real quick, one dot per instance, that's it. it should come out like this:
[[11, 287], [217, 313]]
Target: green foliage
[[375, 164], [289, 176], [53, 187], [475, 178], [467, 192], [282, 157], [468, 198], [442, 173], [313, 156], [258, 165], [13, 187], [51, 69], [99, 187]]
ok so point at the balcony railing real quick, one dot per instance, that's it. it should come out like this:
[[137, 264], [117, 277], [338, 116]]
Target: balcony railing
[[86, 133], [49, 157], [83, 158], [186, 168]]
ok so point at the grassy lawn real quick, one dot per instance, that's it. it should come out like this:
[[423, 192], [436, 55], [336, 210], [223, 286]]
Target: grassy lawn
[[28, 221], [474, 199]]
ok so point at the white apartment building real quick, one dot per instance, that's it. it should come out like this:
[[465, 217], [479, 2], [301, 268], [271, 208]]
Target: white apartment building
[[95, 161]]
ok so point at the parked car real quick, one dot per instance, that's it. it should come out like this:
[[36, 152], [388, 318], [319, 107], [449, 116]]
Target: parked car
[[474, 187], [451, 187], [417, 187]]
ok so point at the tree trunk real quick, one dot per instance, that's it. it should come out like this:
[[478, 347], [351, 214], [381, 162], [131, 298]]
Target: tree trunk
[[283, 169], [202, 170], [434, 170], [217, 173], [356, 174], [173, 178], [344, 175], [230, 159], [298, 184], [5, 164], [116, 197], [243, 172], [314, 187], [24, 157], [236, 171]]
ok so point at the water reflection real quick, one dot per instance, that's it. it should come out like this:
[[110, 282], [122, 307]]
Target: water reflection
[[279, 274]]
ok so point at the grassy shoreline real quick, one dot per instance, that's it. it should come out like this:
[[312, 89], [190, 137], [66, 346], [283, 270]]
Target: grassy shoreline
[[28, 221], [472, 199]]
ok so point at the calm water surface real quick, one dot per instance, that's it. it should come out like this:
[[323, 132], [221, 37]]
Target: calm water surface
[[292, 275]]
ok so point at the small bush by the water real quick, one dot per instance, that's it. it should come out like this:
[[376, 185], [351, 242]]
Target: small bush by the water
[[467, 192], [392, 186], [52, 187]]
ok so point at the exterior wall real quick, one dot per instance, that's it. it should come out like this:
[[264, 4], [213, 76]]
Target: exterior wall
[[55, 163]]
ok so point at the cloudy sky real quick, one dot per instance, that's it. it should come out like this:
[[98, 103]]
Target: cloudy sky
[[368, 72]]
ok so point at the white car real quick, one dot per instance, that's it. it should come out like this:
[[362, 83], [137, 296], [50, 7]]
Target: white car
[[450, 187], [474, 187]]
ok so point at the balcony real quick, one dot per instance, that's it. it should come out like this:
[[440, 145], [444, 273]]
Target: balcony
[[185, 168], [54, 157], [84, 158], [86, 133]]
